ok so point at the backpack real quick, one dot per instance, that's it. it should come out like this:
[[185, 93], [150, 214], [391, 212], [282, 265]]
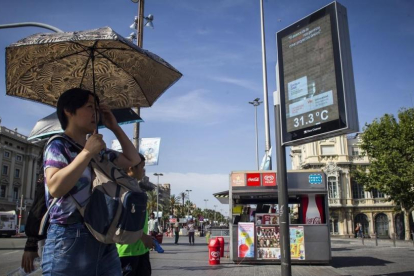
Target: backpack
[[36, 213], [116, 209]]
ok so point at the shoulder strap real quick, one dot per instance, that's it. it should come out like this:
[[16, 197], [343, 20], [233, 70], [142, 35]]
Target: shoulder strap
[[46, 217], [66, 138]]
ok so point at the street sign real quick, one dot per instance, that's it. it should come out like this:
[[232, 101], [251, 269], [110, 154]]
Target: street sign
[[315, 77]]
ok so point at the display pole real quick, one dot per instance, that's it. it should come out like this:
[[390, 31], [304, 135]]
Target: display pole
[[283, 198]]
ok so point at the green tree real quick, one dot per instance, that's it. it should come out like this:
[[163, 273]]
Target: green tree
[[174, 200], [152, 201], [389, 145]]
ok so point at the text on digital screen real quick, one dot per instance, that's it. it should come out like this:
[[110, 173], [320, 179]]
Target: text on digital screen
[[309, 76]]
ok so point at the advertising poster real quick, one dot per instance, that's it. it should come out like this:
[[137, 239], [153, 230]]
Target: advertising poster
[[268, 242], [245, 246], [238, 180], [150, 148], [268, 239], [297, 243]]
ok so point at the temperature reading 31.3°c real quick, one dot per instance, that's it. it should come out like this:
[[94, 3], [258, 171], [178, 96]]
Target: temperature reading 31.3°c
[[310, 119]]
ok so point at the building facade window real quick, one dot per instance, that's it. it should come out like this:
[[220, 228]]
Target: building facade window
[[328, 150], [19, 158], [381, 225], [357, 190], [363, 220], [5, 170], [377, 194], [333, 187], [17, 173], [3, 190], [7, 154], [15, 193], [356, 151], [334, 226]]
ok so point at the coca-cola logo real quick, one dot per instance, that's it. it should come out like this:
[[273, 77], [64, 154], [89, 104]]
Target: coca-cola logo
[[215, 254], [253, 179], [269, 177], [315, 220]]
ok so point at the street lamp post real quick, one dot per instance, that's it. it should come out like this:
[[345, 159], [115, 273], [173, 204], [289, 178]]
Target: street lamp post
[[205, 208], [215, 213], [265, 95], [188, 192], [158, 187], [256, 102], [21, 208], [139, 26]]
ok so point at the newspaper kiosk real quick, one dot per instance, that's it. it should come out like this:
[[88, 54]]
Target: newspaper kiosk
[[254, 228]]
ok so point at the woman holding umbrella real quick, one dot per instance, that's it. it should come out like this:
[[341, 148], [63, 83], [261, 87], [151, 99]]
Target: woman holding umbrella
[[70, 248]]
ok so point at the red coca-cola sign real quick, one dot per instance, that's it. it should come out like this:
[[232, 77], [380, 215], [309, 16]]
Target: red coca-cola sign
[[253, 179], [268, 179]]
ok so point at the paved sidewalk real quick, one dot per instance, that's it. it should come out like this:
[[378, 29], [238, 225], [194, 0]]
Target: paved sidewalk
[[184, 259]]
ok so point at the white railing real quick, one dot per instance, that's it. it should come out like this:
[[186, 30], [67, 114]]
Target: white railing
[[220, 232]]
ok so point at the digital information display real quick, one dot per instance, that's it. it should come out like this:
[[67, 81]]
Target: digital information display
[[309, 74], [316, 87]]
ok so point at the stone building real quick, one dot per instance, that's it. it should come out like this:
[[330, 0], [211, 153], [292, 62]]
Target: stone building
[[19, 167], [349, 203]]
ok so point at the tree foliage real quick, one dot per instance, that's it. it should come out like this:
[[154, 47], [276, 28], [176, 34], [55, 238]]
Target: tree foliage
[[389, 145]]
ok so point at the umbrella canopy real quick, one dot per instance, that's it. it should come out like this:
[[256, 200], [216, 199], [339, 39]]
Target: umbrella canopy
[[43, 66], [50, 125]]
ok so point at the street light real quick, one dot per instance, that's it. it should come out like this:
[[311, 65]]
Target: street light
[[188, 192], [158, 187], [139, 26], [149, 23], [256, 102], [215, 213], [265, 95]]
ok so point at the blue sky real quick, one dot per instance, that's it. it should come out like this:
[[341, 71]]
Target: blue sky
[[205, 122]]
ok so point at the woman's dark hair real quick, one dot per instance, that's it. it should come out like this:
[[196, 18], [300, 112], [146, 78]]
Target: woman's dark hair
[[71, 100]]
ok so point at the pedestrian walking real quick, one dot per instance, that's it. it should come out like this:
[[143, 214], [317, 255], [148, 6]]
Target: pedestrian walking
[[153, 226], [70, 248], [135, 258], [176, 228], [190, 228], [360, 231]]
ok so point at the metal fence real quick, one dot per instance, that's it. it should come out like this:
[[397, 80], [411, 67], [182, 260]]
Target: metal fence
[[220, 232]]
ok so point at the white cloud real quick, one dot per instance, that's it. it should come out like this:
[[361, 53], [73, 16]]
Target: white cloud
[[203, 186], [239, 82], [194, 106]]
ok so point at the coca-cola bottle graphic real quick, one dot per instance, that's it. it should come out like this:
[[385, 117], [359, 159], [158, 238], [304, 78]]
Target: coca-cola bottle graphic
[[311, 213]]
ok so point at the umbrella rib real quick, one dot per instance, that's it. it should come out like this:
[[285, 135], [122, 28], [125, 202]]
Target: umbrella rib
[[114, 63]]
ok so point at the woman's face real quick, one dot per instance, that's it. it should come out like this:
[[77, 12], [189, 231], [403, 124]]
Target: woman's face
[[84, 117]]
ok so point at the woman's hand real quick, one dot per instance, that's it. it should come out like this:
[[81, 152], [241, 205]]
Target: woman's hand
[[27, 261], [108, 118], [95, 144]]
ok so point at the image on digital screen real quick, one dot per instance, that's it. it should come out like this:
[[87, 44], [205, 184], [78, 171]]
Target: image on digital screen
[[309, 75]]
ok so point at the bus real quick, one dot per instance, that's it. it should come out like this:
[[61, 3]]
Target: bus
[[8, 223]]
